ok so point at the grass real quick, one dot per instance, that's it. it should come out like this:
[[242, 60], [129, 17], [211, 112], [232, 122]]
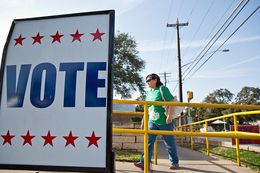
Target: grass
[[249, 159], [127, 156]]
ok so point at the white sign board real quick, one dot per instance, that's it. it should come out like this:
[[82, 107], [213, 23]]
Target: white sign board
[[56, 93]]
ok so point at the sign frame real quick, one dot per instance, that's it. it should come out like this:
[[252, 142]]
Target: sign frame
[[109, 154]]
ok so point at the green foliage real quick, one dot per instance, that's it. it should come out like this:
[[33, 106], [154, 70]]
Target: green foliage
[[247, 96], [136, 119], [127, 66], [219, 96], [140, 108]]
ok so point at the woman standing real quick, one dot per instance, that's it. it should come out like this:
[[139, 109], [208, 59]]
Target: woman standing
[[159, 119]]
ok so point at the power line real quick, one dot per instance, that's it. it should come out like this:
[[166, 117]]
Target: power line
[[214, 35], [168, 57], [202, 21], [199, 57], [194, 5], [234, 11], [175, 87], [180, 8], [165, 75], [226, 40], [165, 32], [215, 26]]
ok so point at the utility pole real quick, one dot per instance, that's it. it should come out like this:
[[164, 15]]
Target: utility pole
[[177, 25], [165, 77]]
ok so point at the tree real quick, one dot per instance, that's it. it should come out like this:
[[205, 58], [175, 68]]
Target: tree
[[219, 96], [140, 108], [248, 96], [127, 66]]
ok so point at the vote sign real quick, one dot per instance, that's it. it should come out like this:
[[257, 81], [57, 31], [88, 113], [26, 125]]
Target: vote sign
[[56, 93]]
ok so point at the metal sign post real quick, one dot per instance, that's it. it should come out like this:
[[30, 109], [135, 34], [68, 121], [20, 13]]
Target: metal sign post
[[55, 111]]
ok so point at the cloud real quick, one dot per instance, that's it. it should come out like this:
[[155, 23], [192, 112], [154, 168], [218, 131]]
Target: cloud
[[13, 3], [34, 8], [230, 71], [16, 9], [224, 74], [158, 45], [241, 63], [244, 39]]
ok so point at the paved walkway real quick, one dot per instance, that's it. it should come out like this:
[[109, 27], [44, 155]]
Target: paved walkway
[[190, 162]]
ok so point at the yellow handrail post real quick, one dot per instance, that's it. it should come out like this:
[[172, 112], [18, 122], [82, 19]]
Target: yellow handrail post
[[207, 139], [237, 141], [155, 151], [191, 138], [181, 137], [146, 164]]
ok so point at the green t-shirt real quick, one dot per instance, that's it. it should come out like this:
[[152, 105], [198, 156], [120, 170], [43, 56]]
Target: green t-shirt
[[157, 113]]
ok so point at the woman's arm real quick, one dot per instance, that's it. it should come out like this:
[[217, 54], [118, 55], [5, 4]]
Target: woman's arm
[[142, 124], [169, 113]]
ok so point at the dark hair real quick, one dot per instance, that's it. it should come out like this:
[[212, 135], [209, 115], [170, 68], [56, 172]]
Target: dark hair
[[155, 76]]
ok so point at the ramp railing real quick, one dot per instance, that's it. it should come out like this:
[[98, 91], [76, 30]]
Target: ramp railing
[[235, 134]]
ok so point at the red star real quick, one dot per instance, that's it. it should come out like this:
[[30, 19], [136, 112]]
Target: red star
[[56, 37], [70, 139], [93, 139], [76, 36], [19, 40], [97, 35], [28, 138], [7, 138], [48, 139], [37, 38]]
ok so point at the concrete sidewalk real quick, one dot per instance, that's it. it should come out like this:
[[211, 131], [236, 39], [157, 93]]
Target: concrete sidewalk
[[190, 161]]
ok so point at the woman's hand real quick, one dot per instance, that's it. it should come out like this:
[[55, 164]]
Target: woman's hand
[[142, 125], [169, 119]]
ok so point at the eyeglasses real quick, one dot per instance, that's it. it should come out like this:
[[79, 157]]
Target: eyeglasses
[[148, 80]]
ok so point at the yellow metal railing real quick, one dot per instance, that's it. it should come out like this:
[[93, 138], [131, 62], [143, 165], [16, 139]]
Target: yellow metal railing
[[235, 134], [234, 115]]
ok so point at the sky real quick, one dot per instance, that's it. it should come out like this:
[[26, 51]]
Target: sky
[[146, 20]]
